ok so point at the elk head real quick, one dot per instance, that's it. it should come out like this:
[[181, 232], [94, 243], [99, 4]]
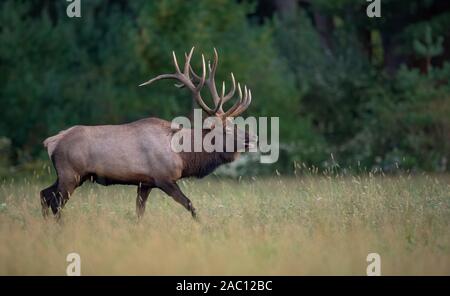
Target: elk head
[[222, 124]]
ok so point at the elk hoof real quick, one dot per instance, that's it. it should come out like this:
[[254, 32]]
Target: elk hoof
[[194, 214]]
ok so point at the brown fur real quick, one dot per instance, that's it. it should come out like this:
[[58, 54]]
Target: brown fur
[[136, 153], [201, 164]]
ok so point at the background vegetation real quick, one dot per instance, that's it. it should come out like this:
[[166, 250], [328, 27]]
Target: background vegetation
[[351, 91]]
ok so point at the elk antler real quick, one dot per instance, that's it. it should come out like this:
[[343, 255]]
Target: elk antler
[[185, 80]]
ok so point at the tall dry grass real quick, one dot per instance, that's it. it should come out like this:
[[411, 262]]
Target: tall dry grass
[[274, 226]]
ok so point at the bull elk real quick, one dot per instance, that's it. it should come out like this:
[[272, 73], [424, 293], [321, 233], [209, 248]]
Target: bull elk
[[139, 153]]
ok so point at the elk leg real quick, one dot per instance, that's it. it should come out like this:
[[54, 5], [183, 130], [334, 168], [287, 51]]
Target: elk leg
[[142, 194], [175, 192], [47, 195], [65, 188]]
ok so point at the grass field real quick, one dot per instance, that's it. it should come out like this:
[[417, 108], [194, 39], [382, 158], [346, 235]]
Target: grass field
[[271, 226]]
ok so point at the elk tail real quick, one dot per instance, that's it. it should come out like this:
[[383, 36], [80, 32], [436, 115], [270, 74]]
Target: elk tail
[[51, 142]]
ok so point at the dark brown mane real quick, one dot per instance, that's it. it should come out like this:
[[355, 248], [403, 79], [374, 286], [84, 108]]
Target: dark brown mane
[[201, 164]]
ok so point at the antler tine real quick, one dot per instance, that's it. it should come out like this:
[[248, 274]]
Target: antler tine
[[216, 61], [191, 71], [194, 75], [197, 95], [187, 64], [232, 91], [177, 68], [249, 98], [203, 78], [245, 104], [211, 82], [220, 102], [236, 105], [181, 85], [187, 67], [162, 76]]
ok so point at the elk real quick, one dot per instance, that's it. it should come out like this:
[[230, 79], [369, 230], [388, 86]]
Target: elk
[[139, 153]]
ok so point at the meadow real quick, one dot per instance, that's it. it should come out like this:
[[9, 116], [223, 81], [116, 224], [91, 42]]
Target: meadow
[[306, 225]]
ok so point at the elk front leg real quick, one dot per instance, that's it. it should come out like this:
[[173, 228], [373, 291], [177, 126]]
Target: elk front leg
[[175, 192], [142, 194]]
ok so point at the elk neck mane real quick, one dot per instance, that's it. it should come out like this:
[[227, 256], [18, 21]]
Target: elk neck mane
[[201, 164]]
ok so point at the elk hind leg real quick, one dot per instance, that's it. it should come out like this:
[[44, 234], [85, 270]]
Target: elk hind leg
[[47, 195], [142, 195]]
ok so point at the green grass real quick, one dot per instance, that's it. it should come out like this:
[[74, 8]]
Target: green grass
[[298, 226]]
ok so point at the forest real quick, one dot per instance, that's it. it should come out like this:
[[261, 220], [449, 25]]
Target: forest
[[352, 93]]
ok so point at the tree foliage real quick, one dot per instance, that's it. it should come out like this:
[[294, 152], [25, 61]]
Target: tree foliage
[[372, 93]]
